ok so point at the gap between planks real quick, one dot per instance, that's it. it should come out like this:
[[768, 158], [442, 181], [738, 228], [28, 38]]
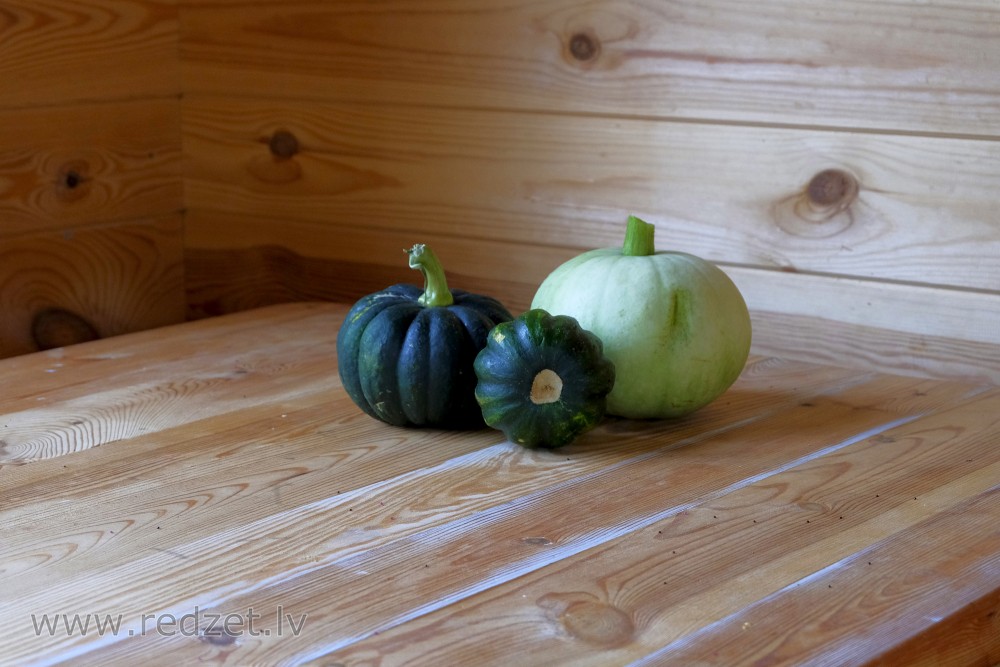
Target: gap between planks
[[256, 99]]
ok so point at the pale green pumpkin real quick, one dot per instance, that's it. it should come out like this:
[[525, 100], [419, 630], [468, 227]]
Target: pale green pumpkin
[[675, 326]]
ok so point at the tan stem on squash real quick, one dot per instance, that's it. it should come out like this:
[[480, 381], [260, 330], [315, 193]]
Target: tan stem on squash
[[546, 387]]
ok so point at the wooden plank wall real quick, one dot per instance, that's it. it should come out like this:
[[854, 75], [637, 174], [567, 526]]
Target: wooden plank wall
[[91, 194], [840, 160]]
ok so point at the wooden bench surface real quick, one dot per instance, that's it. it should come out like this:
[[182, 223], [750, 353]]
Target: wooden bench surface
[[216, 472]]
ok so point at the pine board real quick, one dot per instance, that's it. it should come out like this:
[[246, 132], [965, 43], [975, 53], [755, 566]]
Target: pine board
[[919, 67], [924, 211], [218, 466], [55, 52], [70, 166], [235, 262], [118, 278]]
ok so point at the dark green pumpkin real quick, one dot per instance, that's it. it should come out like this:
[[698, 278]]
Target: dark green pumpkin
[[405, 355], [543, 379]]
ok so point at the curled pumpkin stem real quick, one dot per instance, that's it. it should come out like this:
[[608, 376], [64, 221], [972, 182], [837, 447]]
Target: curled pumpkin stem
[[436, 292]]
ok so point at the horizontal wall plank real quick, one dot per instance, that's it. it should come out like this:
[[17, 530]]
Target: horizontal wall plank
[[926, 67], [114, 279], [901, 208], [59, 51], [69, 166], [891, 350], [234, 262]]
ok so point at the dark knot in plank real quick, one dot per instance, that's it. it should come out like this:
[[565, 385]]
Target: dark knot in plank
[[57, 327]]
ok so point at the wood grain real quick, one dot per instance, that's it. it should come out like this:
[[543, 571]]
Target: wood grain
[[119, 278], [747, 195], [69, 166], [457, 629], [54, 52], [949, 548], [255, 482], [103, 366], [835, 145], [668, 587], [924, 67], [213, 478], [829, 319], [91, 195], [830, 340]]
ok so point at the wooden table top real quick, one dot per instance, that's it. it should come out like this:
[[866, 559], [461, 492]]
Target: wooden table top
[[208, 494]]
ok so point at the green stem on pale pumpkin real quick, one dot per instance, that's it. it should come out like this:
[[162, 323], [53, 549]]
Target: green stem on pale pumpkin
[[638, 238], [436, 292]]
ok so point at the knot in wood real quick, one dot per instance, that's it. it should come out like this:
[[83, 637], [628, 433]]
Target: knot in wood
[[599, 624], [72, 180], [584, 46], [585, 617], [218, 638], [57, 327], [283, 144], [832, 187], [822, 209]]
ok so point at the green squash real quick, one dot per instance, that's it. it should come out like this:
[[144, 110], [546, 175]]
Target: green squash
[[405, 355], [675, 326], [543, 380]]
